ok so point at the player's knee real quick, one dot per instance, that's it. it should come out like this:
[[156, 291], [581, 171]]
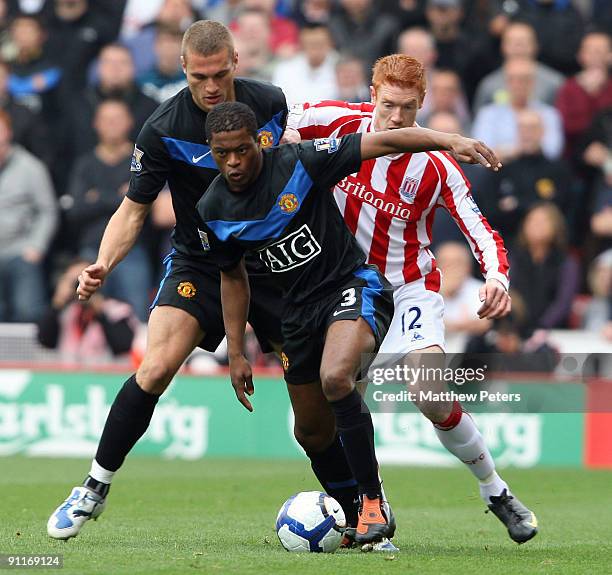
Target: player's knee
[[313, 438], [336, 383], [154, 375], [435, 411]]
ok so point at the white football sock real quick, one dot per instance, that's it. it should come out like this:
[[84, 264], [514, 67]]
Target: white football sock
[[465, 442], [492, 485], [100, 474]]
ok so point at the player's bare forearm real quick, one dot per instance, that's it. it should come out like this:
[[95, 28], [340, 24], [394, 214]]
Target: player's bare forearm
[[119, 237], [415, 139], [121, 232], [235, 301], [376, 144], [235, 294]]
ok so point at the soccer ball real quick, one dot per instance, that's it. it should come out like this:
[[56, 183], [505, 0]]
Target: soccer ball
[[310, 521]]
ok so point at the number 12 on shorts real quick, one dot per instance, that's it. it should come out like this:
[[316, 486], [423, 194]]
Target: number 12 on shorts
[[410, 319]]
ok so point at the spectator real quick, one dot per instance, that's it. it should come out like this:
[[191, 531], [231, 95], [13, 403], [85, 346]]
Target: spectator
[[167, 77], [28, 217], [29, 129], [284, 37], [596, 147], [519, 41], [597, 155], [174, 14], [7, 48], [351, 81], [446, 122], [468, 54], [511, 346], [606, 332], [601, 220], [446, 95], [310, 75], [408, 13], [528, 179], [496, 123], [460, 290], [86, 332], [559, 28], [543, 272], [312, 12], [77, 31], [420, 44], [98, 185], [116, 80], [252, 42], [589, 91], [34, 76], [359, 28], [137, 15], [595, 317], [489, 15], [224, 11]]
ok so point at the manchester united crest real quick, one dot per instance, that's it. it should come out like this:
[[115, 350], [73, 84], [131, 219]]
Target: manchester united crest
[[285, 361], [288, 203], [266, 139], [186, 289]]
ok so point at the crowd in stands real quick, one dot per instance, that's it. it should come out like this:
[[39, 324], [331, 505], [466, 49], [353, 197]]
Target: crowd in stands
[[530, 77]]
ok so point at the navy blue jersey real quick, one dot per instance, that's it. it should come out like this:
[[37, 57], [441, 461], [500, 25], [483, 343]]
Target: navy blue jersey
[[289, 218], [170, 148]]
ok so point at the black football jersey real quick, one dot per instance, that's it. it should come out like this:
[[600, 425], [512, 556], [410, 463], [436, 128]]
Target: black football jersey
[[288, 218], [171, 148]]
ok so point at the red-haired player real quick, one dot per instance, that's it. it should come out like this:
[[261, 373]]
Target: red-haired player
[[389, 206]]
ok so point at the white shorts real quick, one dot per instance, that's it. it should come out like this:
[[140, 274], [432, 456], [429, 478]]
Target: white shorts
[[418, 320]]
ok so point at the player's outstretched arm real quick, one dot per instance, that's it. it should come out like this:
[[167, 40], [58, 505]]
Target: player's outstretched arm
[[235, 295], [119, 237], [377, 144]]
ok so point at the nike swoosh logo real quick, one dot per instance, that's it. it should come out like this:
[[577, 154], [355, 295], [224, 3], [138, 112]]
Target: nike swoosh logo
[[196, 159], [240, 231], [338, 312]]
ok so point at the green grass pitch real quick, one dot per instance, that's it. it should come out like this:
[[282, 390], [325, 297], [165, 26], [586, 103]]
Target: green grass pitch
[[217, 517]]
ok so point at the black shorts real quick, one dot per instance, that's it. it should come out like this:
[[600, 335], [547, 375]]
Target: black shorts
[[367, 294], [196, 288]]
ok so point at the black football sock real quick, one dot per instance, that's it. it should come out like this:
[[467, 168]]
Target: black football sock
[[335, 475], [127, 421], [100, 488], [354, 423]]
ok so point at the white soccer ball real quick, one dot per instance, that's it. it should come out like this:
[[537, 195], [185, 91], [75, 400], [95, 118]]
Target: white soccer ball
[[310, 521]]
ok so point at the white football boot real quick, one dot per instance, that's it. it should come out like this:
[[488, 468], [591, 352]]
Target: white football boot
[[68, 519]]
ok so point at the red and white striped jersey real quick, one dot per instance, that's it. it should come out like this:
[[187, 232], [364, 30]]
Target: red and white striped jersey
[[389, 205]]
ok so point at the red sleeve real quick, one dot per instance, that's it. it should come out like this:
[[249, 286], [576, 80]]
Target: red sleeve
[[456, 196], [327, 118]]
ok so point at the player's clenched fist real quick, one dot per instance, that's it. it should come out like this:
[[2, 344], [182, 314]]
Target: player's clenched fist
[[496, 302], [90, 280]]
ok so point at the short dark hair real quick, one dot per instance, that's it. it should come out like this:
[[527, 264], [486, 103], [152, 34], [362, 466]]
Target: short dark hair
[[230, 116], [207, 37]]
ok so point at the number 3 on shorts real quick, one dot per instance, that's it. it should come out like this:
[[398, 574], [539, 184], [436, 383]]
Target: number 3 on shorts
[[349, 297], [408, 319]]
